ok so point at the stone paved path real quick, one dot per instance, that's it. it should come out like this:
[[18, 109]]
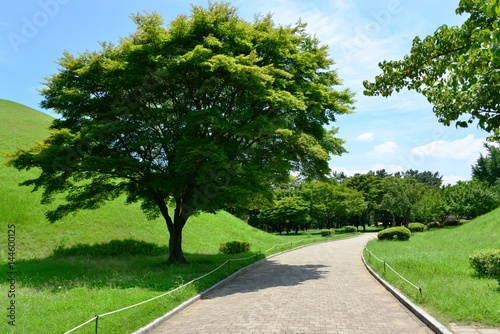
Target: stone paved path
[[322, 288]]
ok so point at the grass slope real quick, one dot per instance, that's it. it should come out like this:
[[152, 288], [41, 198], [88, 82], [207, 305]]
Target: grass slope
[[437, 261], [57, 293], [21, 126]]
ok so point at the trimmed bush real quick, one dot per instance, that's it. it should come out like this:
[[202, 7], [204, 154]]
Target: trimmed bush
[[416, 227], [394, 233], [486, 263], [350, 229], [433, 225], [234, 247], [454, 222], [327, 233]]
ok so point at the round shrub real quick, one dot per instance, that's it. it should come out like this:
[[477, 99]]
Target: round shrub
[[454, 222], [486, 263], [350, 229], [327, 233], [416, 227], [394, 233], [433, 225], [234, 247]]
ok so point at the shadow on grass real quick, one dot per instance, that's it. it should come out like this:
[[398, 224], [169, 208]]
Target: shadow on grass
[[114, 248], [125, 264], [121, 264]]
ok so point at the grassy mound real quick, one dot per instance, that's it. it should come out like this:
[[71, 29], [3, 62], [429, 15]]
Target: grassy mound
[[99, 261], [438, 262]]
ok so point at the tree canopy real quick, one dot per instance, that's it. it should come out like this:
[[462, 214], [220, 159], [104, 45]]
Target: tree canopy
[[333, 204], [457, 69], [198, 115], [487, 168], [401, 197], [472, 198], [426, 177]]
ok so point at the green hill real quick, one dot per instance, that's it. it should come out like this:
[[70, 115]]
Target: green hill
[[20, 128], [438, 262], [57, 293]]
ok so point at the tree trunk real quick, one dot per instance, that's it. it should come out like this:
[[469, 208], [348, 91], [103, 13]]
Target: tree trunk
[[175, 254], [181, 215]]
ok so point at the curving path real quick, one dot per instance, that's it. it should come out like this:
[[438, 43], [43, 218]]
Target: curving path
[[322, 288]]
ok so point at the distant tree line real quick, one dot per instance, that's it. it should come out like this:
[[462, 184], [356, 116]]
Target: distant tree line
[[378, 197]]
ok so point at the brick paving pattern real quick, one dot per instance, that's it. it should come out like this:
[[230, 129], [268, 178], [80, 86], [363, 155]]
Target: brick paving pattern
[[322, 288]]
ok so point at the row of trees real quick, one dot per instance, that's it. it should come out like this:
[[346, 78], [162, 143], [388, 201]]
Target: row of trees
[[379, 197], [301, 205]]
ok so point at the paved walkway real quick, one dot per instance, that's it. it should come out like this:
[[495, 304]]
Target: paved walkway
[[322, 288]]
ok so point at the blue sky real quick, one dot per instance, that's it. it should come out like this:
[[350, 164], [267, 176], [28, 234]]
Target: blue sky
[[396, 133]]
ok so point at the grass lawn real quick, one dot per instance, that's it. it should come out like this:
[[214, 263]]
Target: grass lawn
[[437, 261], [57, 293]]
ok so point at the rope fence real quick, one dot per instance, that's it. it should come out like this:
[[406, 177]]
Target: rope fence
[[386, 265], [227, 262]]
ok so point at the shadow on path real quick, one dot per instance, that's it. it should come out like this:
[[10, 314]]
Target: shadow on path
[[266, 274]]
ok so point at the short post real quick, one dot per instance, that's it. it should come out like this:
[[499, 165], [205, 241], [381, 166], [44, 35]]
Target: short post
[[96, 323], [384, 266]]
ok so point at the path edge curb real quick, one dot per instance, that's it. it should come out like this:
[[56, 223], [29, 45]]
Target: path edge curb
[[432, 323]]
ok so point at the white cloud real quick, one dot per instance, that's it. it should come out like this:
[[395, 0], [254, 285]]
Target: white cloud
[[385, 148], [451, 179], [467, 148], [367, 136], [343, 4]]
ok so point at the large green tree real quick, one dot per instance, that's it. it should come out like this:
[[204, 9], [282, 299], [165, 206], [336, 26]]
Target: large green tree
[[401, 198], [372, 186], [287, 213], [426, 177], [432, 206], [470, 199], [195, 116], [456, 68], [333, 203], [487, 168]]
